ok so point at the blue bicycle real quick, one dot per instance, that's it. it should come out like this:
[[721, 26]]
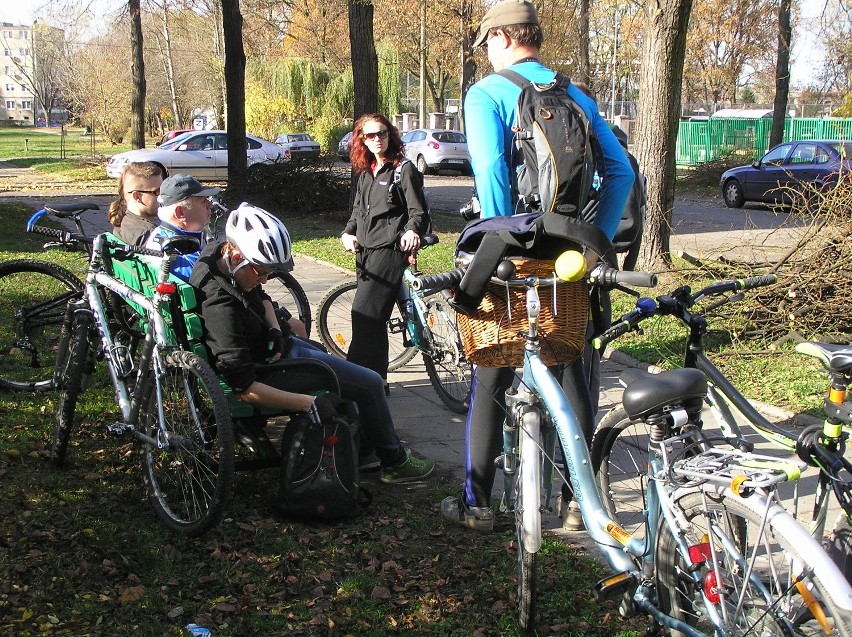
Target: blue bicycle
[[720, 555]]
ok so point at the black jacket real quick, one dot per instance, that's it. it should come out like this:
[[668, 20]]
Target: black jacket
[[382, 212], [237, 334]]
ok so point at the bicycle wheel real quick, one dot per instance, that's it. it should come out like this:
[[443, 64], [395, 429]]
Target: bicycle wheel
[[73, 380], [287, 290], [446, 365], [188, 473], [765, 603], [839, 546], [527, 507], [33, 296], [334, 322], [619, 454]]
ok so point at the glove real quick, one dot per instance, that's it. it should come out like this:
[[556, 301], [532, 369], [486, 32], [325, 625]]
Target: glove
[[278, 344]]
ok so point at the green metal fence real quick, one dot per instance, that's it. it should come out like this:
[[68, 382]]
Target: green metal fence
[[699, 142]]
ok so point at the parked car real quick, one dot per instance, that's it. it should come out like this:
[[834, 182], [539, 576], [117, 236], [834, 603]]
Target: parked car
[[171, 135], [343, 147], [298, 145], [434, 149], [202, 154], [776, 175]]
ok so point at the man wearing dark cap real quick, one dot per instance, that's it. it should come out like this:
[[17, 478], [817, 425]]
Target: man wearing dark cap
[[511, 34], [184, 210]]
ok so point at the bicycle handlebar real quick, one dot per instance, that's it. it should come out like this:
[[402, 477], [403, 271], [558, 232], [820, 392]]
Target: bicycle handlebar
[[608, 276], [675, 303], [66, 237], [437, 282]]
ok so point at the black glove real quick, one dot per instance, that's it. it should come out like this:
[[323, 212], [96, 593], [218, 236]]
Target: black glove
[[323, 410], [277, 343]]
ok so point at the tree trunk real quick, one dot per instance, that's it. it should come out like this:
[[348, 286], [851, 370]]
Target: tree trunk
[[365, 62], [235, 91], [137, 98], [583, 26], [659, 113], [782, 74], [168, 63], [468, 63]]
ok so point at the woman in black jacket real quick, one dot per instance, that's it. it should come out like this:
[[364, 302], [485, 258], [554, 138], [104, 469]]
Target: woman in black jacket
[[388, 217], [243, 334]]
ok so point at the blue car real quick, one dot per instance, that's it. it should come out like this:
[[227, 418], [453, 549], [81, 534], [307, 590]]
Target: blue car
[[777, 174]]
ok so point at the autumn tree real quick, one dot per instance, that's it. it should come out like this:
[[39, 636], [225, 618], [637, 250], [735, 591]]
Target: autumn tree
[[782, 73], [235, 89], [727, 42], [365, 63], [319, 31], [137, 65], [659, 113]]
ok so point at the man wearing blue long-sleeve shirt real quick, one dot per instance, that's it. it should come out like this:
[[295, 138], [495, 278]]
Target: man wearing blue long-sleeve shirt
[[512, 35]]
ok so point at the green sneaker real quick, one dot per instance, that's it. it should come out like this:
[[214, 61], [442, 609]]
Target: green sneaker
[[410, 470]]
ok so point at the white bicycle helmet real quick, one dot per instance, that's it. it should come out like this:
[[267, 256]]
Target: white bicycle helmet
[[262, 238]]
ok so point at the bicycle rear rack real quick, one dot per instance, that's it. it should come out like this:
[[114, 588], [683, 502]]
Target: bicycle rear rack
[[736, 469]]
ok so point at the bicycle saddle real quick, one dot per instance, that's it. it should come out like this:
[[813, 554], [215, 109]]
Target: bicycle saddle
[[647, 394], [66, 210], [836, 357]]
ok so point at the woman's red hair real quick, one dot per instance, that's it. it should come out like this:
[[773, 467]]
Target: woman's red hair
[[361, 157]]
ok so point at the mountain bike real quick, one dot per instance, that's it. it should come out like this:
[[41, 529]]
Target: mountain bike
[[620, 443], [170, 399], [34, 293], [719, 556], [422, 321]]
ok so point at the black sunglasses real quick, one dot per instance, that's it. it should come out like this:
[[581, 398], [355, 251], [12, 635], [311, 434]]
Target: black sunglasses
[[377, 135]]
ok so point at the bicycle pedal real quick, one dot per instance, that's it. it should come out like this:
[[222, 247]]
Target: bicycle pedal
[[118, 428], [613, 586]]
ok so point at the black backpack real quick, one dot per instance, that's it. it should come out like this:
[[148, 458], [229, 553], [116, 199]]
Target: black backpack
[[319, 469], [555, 147]]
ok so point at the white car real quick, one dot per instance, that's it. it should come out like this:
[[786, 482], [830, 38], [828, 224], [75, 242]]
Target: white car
[[437, 149], [298, 145], [202, 154]]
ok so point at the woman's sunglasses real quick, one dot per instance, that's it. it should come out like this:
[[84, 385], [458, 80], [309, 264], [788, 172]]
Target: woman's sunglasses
[[377, 135]]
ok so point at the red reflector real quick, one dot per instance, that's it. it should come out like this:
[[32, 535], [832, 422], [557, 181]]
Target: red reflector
[[330, 441], [435, 145], [166, 288], [711, 588], [699, 553]]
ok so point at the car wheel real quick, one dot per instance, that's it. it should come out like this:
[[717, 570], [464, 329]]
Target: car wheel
[[732, 193], [421, 165]]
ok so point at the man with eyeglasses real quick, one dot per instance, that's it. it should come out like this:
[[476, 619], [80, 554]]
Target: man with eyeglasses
[[133, 214], [511, 35], [185, 209]]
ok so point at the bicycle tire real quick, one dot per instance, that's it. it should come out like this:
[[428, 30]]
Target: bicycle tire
[[33, 296], [287, 290], [839, 546], [334, 322], [619, 454], [775, 551], [189, 474], [72, 384], [527, 508], [446, 365]]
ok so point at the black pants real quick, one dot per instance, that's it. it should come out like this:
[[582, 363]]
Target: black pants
[[484, 428], [379, 272]]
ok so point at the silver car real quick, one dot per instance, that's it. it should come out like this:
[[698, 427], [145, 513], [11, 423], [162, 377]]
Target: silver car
[[433, 149], [298, 145]]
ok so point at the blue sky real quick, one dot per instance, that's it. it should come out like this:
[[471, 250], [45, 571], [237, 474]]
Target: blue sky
[[807, 52]]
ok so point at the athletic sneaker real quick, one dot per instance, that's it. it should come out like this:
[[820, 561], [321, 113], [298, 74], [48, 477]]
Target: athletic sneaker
[[410, 470], [456, 510], [369, 462], [572, 519]]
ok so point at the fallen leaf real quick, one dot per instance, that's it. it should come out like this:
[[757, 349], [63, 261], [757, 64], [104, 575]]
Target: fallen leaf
[[380, 593]]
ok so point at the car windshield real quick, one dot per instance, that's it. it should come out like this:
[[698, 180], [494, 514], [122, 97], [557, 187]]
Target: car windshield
[[844, 149], [175, 142], [450, 137]]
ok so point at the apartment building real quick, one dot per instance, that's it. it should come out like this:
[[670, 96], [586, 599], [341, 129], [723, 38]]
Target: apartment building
[[17, 100]]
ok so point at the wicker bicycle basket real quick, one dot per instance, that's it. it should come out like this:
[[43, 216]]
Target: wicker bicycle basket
[[493, 334]]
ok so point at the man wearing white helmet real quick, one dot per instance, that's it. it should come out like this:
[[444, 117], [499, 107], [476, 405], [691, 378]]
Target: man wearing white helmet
[[243, 334]]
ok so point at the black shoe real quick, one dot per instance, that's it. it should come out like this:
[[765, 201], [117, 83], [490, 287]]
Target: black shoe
[[252, 435]]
